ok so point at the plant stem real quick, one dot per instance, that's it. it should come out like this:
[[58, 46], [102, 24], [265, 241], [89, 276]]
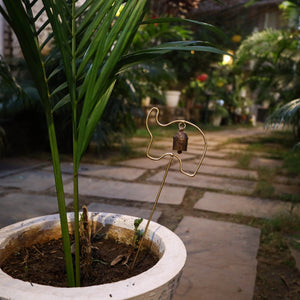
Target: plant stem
[[61, 200], [76, 225], [75, 151]]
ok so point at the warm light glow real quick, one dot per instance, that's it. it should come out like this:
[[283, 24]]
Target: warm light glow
[[236, 38], [227, 59]]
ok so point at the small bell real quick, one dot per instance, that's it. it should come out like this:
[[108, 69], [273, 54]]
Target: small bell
[[180, 139]]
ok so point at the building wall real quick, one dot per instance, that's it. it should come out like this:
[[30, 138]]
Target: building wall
[[9, 46], [235, 16], [258, 17], [1, 33]]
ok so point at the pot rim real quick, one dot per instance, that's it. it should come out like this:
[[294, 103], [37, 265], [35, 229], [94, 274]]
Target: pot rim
[[165, 270]]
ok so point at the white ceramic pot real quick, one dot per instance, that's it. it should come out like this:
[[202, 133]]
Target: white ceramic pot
[[172, 98], [159, 282], [216, 120]]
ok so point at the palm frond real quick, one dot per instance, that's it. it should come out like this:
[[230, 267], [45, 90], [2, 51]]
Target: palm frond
[[285, 115]]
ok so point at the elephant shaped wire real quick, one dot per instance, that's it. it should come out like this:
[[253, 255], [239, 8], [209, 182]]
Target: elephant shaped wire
[[180, 123]]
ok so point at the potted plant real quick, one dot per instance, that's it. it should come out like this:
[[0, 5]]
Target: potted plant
[[218, 111], [92, 41], [172, 98], [159, 281], [170, 87]]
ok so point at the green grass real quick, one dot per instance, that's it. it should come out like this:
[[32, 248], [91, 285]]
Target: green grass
[[287, 224], [243, 160], [292, 163], [278, 233], [156, 131], [276, 144], [264, 189]]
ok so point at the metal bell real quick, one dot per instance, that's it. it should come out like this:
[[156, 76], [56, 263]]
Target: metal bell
[[180, 140]]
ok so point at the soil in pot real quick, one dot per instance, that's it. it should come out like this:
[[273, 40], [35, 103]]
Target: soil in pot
[[44, 263]]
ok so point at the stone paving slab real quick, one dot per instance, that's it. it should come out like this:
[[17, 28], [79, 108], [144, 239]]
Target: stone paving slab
[[217, 170], [138, 140], [127, 191], [212, 144], [18, 207], [214, 154], [287, 189], [158, 152], [121, 173], [145, 163], [125, 210], [221, 261], [257, 162], [233, 146], [34, 180], [194, 150], [207, 182], [288, 180], [219, 162], [115, 172], [11, 166], [67, 167], [166, 143], [244, 205], [232, 152], [200, 144]]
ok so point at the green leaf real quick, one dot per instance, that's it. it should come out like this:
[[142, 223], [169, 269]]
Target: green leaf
[[85, 133], [188, 21], [65, 100], [286, 114], [21, 20], [60, 88], [154, 52]]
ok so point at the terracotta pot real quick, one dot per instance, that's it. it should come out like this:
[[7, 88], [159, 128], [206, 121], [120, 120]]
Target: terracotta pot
[[172, 98], [159, 282]]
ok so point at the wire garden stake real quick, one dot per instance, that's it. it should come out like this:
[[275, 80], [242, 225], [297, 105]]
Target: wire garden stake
[[180, 141]]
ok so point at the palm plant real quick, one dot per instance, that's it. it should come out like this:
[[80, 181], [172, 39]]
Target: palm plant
[[92, 39], [291, 11], [276, 67], [288, 114], [274, 59]]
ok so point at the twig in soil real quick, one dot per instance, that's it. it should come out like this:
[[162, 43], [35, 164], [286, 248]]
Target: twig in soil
[[25, 261], [284, 281], [37, 250], [85, 242], [97, 235], [26, 258], [120, 258], [127, 258]]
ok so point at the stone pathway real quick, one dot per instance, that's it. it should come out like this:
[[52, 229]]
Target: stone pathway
[[221, 260]]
